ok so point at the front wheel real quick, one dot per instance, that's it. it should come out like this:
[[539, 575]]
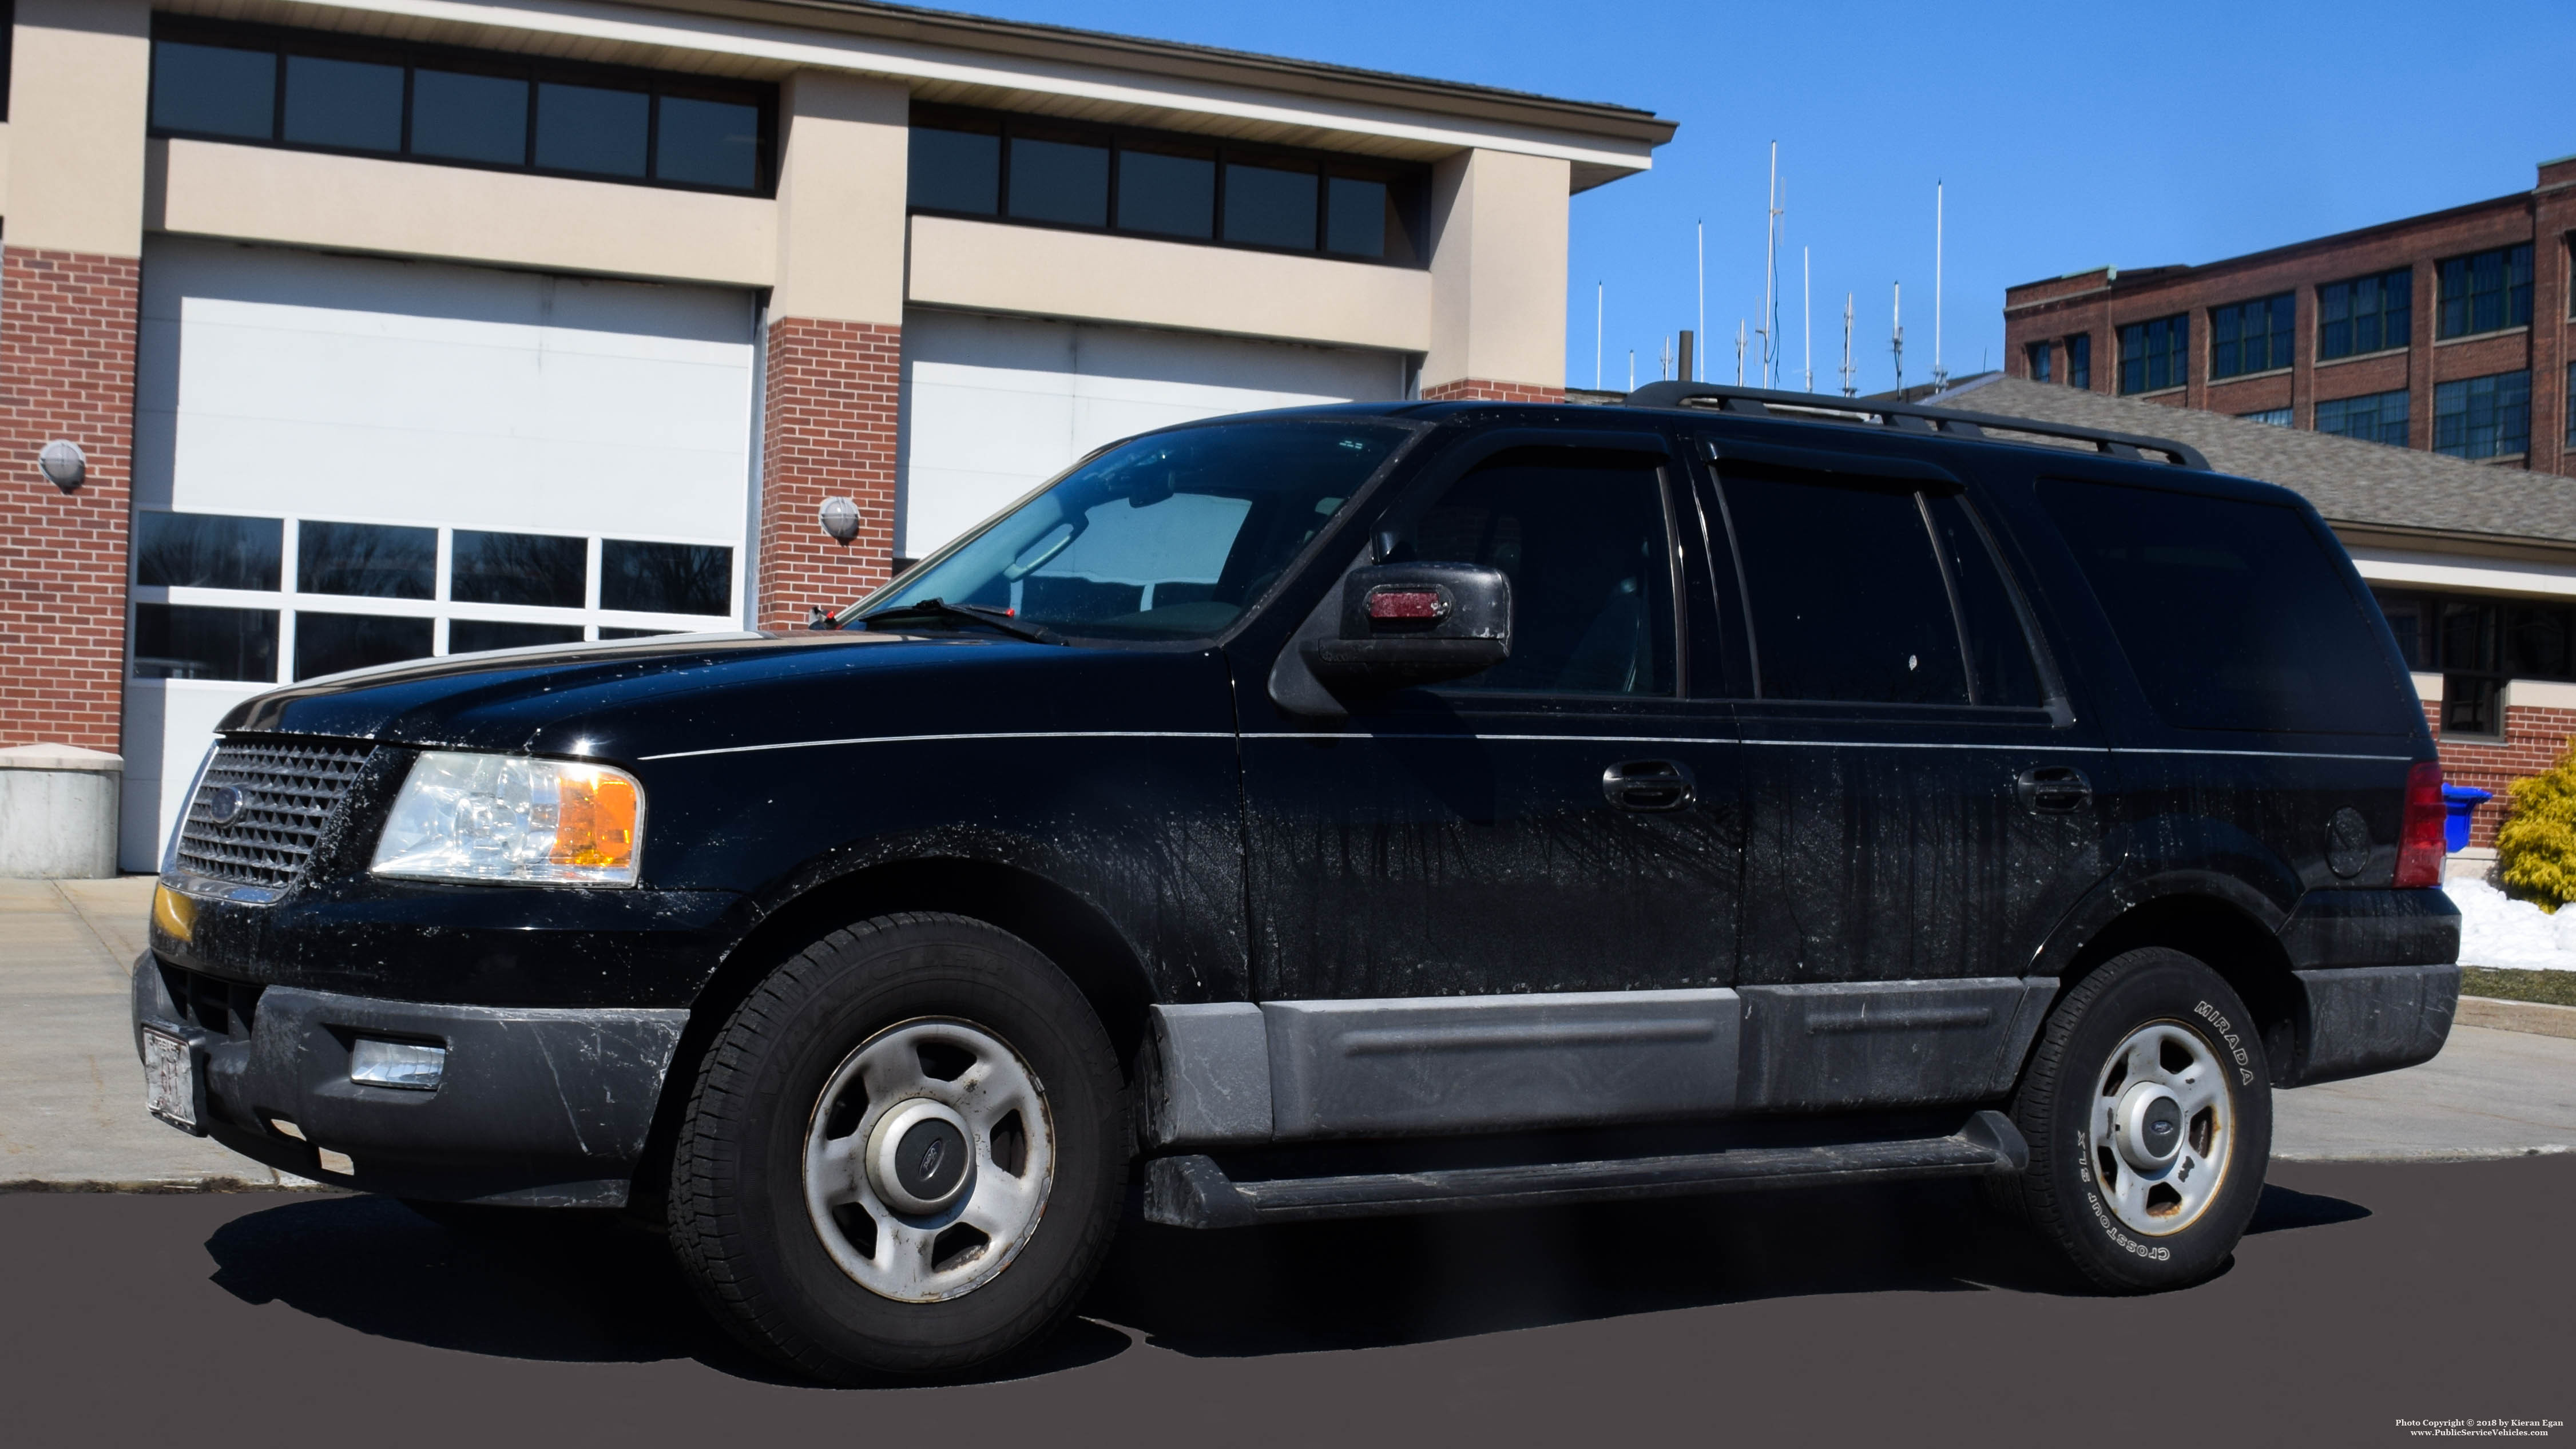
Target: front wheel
[[2148, 1109], [902, 1153]]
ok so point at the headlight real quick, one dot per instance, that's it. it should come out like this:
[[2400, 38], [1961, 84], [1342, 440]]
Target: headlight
[[513, 821]]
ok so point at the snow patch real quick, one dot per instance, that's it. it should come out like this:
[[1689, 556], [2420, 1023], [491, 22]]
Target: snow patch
[[2497, 930]]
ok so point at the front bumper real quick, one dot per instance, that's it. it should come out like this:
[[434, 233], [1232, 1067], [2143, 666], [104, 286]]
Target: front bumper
[[541, 1107]]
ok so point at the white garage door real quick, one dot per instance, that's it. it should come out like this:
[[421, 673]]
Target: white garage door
[[344, 461], [994, 406]]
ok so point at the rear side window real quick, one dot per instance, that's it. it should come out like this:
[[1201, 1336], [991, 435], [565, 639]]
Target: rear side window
[[2232, 613], [1846, 595]]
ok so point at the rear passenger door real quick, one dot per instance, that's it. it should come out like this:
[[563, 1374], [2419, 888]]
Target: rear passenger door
[[1922, 800]]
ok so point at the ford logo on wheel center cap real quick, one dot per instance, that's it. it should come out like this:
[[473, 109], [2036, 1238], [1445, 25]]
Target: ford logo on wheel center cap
[[224, 804]]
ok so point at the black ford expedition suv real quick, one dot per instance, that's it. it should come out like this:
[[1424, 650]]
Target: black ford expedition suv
[[1370, 809]]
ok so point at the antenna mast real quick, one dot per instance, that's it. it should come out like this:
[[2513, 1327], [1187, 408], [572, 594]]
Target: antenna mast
[[1769, 331], [1848, 389], [1739, 352], [1700, 261], [1807, 308], [1599, 291], [1940, 374], [1896, 341]]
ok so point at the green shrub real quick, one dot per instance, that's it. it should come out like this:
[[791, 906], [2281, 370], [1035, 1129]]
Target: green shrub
[[2536, 849]]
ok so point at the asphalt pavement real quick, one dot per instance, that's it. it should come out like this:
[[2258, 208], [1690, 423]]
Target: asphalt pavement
[[2366, 1294]]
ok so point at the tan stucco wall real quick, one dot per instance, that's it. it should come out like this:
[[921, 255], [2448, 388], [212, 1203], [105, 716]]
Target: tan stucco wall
[[1498, 257], [80, 77], [995, 267], [401, 208], [844, 144]]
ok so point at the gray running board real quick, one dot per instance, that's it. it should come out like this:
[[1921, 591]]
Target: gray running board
[[1192, 1191]]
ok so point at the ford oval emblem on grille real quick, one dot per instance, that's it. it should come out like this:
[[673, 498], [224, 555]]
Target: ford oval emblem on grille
[[223, 804]]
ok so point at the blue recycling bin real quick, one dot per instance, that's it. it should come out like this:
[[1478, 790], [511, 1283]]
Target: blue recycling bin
[[2457, 802]]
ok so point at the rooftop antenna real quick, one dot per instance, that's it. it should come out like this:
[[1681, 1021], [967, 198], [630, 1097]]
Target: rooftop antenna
[[1632, 369], [1940, 374], [1807, 308], [1769, 330], [1896, 342], [1699, 252], [1739, 352], [1848, 389], [1599, 290], [1688, 368]]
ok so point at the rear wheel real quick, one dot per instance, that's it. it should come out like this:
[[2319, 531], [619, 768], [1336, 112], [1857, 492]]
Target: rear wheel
[[901, 1154], [2148, 1109]]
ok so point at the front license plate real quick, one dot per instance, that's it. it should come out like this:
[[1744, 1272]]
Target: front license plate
[[169, 1079]]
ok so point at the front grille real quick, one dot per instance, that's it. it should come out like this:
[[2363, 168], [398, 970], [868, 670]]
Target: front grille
[[226, 1008], [283, 795]]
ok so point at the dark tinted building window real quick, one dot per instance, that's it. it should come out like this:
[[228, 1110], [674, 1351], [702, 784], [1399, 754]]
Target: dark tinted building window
[[1583, 543], [346, 94], [2483, 417], [1059, 180], [464, 117], [2040, 354], [206, 551], [470, 636], [2079, 360], [2153, 354], [2269, 417], [1356, 216], [2366, 314], [370, 559], [2486, 292], [1167, 190], [2252, 336], [353, 105], [518, 568], [1270, 206], [665, 578], [1845, 592], [707, 143], [179, 641], [213, 90], [2234, 615], [591, 128], [2567, 404], [956, 170], [2378, 417], [2477, 644], [329, 643]]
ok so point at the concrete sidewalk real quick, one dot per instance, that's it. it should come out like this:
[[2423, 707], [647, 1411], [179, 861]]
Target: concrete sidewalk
[[71, 1093]]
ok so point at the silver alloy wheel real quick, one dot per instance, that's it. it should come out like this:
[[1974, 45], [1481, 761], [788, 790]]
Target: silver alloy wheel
[[2162, 1128], [890, 1110]]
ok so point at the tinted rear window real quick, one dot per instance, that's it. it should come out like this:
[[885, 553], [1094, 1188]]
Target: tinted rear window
[[2233, 613]]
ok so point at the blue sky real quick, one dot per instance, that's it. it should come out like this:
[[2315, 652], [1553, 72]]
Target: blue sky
[[2069, 136]]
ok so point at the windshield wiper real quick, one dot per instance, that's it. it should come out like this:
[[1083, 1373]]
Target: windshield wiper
[[969, 613]]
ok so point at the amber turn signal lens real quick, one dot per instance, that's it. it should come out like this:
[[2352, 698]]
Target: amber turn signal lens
[[595, 823], [174, 913]]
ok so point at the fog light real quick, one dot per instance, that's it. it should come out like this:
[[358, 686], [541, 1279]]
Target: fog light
[[410, 1065]]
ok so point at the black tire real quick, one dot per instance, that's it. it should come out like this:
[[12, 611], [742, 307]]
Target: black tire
[[739, 1221], [2061, 1195]]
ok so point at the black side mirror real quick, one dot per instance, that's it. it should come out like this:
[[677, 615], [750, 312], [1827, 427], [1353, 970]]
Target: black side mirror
[[1409, 624]]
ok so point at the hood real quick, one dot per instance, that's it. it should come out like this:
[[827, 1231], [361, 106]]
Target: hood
[[632, 698]]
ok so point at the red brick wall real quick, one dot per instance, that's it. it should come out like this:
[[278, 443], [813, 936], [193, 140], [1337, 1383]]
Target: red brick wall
[[827, 431], [2534, 739], [1478, 389], [66, 371]]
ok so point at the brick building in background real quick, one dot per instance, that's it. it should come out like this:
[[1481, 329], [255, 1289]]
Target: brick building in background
[[2449, 332], [392, 330]]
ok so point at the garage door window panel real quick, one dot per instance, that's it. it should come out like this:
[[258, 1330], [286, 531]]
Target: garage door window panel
[[206, 551], [347, 105], [471, 636], [330, 643], [539, 570], [183, 641], [665, 578], [1847, 596], [366, 559]]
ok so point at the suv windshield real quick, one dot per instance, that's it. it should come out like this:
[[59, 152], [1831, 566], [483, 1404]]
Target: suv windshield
[[1169, 536]]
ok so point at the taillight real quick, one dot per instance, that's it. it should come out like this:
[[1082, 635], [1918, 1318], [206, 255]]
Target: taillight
[[2419, 831]]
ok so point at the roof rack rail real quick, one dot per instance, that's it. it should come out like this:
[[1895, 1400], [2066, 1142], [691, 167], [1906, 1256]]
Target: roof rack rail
[[1905, 417]]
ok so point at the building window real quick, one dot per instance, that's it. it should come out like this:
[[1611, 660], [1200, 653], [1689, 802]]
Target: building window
[[2378, 417], [2366, 314], [321, 92], [2477, 644], [2152, 354], [1179, 188], [2567, 404], [2483, 417], [2079, 360], [2039, 354], [2272, 417], [2252, 336], [2487, 292]]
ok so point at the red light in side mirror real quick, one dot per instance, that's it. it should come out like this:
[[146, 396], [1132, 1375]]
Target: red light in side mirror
[[2419, 831], [1404, 604]]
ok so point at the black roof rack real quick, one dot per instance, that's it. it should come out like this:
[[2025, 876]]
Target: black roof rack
[[1755, 402]]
